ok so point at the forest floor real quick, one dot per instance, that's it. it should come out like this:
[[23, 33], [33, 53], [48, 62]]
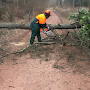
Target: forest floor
[[43, 67]]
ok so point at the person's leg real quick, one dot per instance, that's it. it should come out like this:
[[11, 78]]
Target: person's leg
[[39, 36], [32, 36], [35, 31], [32, 39]]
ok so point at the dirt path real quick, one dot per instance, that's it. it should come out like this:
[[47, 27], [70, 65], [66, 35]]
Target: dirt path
[[42, 68]]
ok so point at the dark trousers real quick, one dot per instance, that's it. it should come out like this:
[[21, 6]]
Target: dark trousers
[[35, 32]]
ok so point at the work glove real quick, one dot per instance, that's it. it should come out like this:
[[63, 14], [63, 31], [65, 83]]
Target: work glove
[[47, 28]]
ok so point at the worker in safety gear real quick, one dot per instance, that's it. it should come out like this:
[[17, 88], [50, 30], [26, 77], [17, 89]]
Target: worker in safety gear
[[38, 23]]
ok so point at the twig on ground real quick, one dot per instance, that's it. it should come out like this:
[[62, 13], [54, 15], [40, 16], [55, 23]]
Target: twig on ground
[[57, 35], [45, 43], [22, 50], [18, 51], [66, 35]]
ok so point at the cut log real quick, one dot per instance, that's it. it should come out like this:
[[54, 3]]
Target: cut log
[[64, 26], [14, 25], [27, 26]]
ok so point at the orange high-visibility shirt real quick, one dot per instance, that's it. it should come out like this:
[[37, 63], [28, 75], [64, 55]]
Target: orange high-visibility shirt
[[41, 18]]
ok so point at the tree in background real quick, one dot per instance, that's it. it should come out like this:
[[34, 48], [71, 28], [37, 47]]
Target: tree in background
[[89, 4], [84, 2], [19, 8], [68, 2], [77, 3], [59, 2]]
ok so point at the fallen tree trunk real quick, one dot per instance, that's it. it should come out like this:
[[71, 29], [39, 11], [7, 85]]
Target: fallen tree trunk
[[14, 25], [64, 26], [27, 26]]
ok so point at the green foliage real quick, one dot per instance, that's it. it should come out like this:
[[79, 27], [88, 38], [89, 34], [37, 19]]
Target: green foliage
[[82, 17]]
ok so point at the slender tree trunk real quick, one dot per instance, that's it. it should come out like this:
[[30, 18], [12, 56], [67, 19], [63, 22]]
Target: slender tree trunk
[[17, 4], [24, 2], [89, 4]]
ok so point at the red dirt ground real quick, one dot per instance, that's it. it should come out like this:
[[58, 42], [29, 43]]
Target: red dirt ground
[[44, 67]]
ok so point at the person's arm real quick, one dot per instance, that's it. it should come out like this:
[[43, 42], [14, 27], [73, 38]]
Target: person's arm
[[47, 27]]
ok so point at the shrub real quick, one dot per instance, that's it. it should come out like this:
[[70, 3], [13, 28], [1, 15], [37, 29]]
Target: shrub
[[83, 18]]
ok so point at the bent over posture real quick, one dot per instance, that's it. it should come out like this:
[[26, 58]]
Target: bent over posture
[[38, 22]]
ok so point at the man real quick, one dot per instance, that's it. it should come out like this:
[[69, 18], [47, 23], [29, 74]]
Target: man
[[38, 22]]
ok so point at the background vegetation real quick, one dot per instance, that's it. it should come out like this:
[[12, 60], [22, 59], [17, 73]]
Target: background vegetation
[[19, 8]]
